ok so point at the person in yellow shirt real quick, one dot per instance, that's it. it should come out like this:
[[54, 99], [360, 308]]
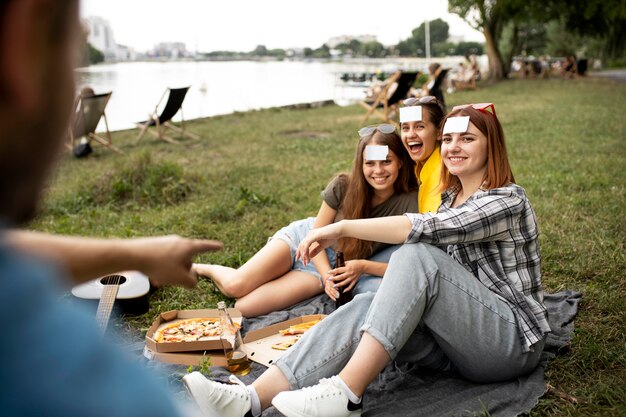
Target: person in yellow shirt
[[420, 121]]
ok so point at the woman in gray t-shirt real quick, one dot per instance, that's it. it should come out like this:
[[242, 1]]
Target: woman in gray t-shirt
[[381, 183]]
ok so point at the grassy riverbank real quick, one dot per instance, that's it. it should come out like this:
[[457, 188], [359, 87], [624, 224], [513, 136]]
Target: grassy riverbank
[[254, 172]]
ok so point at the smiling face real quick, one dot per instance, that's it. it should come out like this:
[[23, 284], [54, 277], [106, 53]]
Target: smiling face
[[419, 138], [465, 154], [381, 175]]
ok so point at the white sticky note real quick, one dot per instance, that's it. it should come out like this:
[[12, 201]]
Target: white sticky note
[[376, 152], [410, 114], [456, 124]]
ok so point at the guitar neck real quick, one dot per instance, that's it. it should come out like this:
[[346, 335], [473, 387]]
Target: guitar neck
[[105, 306]]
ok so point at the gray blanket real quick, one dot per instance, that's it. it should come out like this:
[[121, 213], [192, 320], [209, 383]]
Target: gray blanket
[[404, 390]]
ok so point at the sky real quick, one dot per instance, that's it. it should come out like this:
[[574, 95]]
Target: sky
[[241, 25]]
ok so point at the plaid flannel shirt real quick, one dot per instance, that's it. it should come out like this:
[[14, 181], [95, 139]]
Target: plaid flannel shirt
[[494, 235]]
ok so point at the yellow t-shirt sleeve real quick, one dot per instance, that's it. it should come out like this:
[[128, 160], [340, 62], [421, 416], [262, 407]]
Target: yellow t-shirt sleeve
[[429, 195]]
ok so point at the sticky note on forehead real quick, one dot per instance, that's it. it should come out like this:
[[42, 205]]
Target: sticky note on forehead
[[456, 124], [376, 152], [411, 114]]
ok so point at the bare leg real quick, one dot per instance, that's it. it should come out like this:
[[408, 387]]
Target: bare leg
[[279, 293], [369, 359], [271, 262], [269, 384], [211, 271]]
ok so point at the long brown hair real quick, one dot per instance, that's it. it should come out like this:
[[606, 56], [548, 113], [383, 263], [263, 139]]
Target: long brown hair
[[358, 196], [498, 172]]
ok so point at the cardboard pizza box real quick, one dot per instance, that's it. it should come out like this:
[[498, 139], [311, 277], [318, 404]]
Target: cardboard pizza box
[[169, 317], [216, 357], [258, 343]]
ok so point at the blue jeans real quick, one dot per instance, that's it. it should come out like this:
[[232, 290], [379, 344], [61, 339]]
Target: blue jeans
[[429, 310], [370, 283]]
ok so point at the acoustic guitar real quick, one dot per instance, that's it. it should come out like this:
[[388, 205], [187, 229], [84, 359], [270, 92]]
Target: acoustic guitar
[[128, 290]]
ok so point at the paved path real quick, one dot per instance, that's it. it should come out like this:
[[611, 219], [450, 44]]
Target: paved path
[[618, 75]]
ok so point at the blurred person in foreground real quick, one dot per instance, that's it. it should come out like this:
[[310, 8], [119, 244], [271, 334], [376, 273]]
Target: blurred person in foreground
[[54, 362]]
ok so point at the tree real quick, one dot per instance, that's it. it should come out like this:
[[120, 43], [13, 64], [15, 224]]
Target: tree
[[373, 49], [518, 25], [468, 48], [486, 16], [416, 44], [322, 52], [260, 50], [407, 47], [604, 19], [92, 55], [492, 17]]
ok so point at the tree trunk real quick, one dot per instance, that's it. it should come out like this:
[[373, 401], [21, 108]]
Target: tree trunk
[[496, 67]]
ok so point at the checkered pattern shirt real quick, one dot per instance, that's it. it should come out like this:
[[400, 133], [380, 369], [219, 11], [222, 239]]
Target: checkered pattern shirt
[[494, 235]]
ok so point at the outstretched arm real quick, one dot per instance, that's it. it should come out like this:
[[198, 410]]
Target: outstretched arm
[[325, 216], [165, 259], [392, 229]]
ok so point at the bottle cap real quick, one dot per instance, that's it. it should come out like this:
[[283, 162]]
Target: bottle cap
[[221, 304]]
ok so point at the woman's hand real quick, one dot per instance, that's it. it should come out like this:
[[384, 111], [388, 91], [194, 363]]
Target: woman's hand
[[343, 278], [322, 238]]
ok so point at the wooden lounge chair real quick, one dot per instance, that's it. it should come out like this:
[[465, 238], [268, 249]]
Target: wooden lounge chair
[[383, 99], [467, 81], [88, 113], [175, 98]]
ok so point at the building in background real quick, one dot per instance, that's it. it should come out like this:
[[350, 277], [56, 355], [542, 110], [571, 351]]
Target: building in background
[[100, 36], [332, 43], [170, 50]]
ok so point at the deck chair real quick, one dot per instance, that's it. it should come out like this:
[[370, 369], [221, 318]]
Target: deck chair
[[403, 81], [437, 88], [467, 82], [175, 98], [89, 110]]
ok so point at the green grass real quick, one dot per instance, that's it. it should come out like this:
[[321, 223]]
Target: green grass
[[253, 173]]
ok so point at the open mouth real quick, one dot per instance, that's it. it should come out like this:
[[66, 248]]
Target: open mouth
[[415, 146]]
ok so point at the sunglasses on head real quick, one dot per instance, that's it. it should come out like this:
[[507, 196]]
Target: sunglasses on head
[[411, 101], [369, 130], [483, 107]]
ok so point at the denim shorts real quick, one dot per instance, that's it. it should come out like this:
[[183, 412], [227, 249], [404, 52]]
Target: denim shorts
[[295, 233]]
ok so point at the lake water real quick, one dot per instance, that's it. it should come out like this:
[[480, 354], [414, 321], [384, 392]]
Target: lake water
[[225, 87]]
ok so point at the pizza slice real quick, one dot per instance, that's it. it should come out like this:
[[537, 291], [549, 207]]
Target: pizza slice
[[299, 328], [285, 344]]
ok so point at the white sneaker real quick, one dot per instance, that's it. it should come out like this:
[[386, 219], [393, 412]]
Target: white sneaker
[[216, 399], [325, 399]]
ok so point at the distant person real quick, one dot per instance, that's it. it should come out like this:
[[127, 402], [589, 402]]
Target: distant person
[[377, 186], [83, 148], [85, 92], [434, 86], [570, 67], [544, 63], [54, 360]]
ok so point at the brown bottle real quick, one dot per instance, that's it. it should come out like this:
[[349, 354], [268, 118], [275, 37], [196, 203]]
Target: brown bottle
[[236, 357], [344, 297]]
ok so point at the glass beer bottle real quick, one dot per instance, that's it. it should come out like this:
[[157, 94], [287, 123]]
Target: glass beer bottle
[[344, 296], [232, 343]]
